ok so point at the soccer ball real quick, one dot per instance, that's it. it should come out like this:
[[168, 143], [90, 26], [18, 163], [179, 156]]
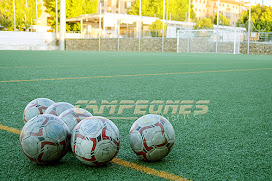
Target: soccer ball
[[73, 116], [95, 141], [151, 137], [44, 139], [36, 107], [58, 108]]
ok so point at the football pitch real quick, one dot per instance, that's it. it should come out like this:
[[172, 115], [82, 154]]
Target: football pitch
[[231, 141]]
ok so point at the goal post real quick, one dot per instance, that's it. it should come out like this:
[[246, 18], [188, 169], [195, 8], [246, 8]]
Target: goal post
[[208, 41]]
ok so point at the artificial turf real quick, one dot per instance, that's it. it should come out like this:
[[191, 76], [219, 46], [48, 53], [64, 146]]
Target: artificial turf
[[231, 142]]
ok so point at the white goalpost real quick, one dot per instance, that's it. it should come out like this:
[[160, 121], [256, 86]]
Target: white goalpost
[[208, 41]]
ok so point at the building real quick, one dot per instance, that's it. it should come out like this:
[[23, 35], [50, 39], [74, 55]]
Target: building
[[112, 24], [229, 8], [112, 6]]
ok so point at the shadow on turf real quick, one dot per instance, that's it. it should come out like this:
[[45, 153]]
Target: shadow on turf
[[69, 160]]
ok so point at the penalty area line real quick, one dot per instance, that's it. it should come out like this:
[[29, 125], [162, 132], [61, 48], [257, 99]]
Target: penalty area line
[[118, 161], [135, 75]]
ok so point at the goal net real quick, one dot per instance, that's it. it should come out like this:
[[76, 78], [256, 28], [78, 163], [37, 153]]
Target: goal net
[[209, 41]]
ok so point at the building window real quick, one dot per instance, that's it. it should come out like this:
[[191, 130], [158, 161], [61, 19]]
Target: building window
[[195, 9], [223, 5], [199, 1], [196, 1], [117, 4], [102, 2], [109, 3], [228, 6]]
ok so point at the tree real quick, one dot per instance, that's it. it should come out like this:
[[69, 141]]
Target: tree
[[226, 20], [24, 11], [156, 27], [73, 8], [205, 23], [177, 8], [261, 18]]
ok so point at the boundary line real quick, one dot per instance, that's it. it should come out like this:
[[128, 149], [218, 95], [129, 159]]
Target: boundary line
[[135, 75], [106, 65], [118, 161]]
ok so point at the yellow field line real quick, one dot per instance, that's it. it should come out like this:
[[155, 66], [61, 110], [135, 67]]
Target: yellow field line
[[9, 129], [158, 173], [135, 166], [135, 75], [73, 66]]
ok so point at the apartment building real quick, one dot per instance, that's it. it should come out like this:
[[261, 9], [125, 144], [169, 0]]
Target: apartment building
[[112, 6], [229, 8]]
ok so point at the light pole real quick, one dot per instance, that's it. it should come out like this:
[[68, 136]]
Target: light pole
[[167, 11], [14, 15], [163, 25], [217, 25], [249, 22], [189, 14], [57, 19], [62, 24], [140, 24], [36, 16]]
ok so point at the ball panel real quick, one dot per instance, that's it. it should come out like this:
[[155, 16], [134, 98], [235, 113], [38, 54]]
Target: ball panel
[[135, 141]]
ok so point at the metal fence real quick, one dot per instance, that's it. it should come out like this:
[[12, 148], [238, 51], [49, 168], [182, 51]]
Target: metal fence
[[260, 42]]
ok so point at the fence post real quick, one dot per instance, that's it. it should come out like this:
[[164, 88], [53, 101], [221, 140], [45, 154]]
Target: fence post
[[178, 42], [234, 48]]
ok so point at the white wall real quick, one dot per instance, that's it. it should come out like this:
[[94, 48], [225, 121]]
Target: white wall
[[10, 40]]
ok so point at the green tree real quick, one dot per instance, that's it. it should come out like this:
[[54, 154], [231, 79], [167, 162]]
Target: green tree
[[226, 20], [205, 23], [24, 10], [261, 18], [156, 27], [177, 8], [73, 8]]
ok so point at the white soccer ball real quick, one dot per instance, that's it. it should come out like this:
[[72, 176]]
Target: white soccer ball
[[36, 107], [73, 116], [152, 137], [58, 108], [44, 139], [95, 140]]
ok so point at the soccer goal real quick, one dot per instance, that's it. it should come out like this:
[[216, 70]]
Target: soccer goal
[[208, 41]]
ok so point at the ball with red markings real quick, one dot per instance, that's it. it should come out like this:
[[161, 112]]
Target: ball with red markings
[[73, 116], [152, 137], [58, 108], [95, 140], [45, 139], [36, 107]]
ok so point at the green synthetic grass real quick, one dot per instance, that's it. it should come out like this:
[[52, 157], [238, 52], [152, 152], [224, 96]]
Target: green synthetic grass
[[233, 141]]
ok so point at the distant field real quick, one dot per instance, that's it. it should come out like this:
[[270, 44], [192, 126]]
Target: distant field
[[233, 141]]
